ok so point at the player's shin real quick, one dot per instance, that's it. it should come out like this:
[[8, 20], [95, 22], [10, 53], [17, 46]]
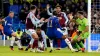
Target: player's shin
[[12, 43], [69, 44], [45, 43], [59, 44], [51, 44], [19, 45], [80, 43]]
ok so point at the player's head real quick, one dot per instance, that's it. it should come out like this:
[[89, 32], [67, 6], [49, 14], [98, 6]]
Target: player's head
[[19, 30], [11, 14], [58, 8], [33, 8], [80, 14], [54, 13], [38, 30]]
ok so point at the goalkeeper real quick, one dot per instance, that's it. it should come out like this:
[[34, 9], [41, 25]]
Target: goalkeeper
[[81, 33]]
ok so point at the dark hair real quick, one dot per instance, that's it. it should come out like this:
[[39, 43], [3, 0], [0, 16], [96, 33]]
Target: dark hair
[[18, 29], [81, 12], [54, 13], [58, 6], [32, 7], [38, 28]]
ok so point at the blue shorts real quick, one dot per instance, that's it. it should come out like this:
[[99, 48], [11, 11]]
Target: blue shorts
[[52, 34], [8, 32]]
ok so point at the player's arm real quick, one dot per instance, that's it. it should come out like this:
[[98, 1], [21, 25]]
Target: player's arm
[[65, 16], [34, 20], [48, 12]]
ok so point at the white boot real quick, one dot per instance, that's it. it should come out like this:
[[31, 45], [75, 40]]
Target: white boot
[[38, 50], [32, 50]]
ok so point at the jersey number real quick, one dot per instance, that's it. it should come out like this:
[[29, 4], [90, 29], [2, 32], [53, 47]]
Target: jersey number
[[50, 23]]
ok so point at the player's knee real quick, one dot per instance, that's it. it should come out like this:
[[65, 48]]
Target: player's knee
[[14, 34], [35, 36]]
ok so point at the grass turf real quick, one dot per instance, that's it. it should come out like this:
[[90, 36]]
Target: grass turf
[[5, 51]]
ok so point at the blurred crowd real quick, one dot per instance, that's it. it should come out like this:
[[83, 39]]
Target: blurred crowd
[[70, 7], [95, 17]]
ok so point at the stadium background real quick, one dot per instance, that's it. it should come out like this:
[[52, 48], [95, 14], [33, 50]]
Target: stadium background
[[68, 6], [21, 9], [7, 5]]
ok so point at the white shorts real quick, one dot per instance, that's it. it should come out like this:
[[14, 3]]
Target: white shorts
[[65, 32], [30, 32]]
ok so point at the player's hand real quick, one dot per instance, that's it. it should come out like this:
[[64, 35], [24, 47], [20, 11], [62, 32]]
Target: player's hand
[[46, 20], [48, 6], [42, 20]]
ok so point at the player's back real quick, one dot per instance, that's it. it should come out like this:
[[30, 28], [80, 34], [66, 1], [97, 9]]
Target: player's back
[[52, 22]]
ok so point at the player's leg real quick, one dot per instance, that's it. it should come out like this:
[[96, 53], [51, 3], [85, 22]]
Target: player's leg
[[30, 32], [59, 44], [82, 40], [81, 44], [12, 43], [30, 45], [74, 42], [45, 43], [14, 35], [65, 37], [35, 37], [51, 45], [50, 36], [41, 45]]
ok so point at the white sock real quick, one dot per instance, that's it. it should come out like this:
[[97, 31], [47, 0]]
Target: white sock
[[12, 42], [45, 43], [69, 44], [18, 44], [40, 44], [31, 43], [51, 44]]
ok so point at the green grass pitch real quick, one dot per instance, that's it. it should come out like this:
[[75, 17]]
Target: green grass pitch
[[5, 51]]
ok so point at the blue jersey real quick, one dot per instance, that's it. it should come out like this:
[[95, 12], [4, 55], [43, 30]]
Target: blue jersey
[[53, 23], [8, 23], [8, 26], [52, 26]]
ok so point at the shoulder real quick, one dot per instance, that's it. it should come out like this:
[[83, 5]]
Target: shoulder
[[42, 31], [7, 18], [30, 13], [85, 19], [63, 13]]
